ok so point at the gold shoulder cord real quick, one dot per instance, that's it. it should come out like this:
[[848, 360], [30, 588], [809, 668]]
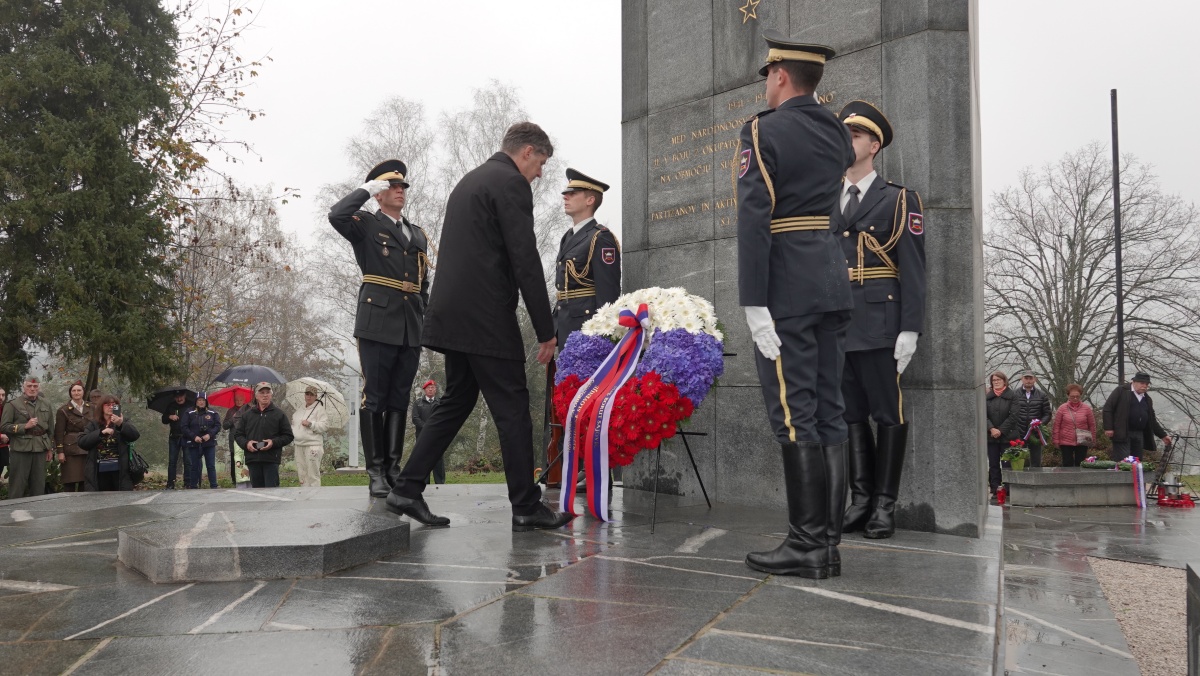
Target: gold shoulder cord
[[762, 167], [881, 250], [581, 277], [736, 164]]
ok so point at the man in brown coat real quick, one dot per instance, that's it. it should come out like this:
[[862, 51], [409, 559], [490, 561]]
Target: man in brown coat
[[488, 256]]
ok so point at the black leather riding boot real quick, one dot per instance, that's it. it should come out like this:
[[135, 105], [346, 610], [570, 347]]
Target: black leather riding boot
[[889, 465], [393, 450], [862, 476], [835, 472], [805, 552], [370, 428]]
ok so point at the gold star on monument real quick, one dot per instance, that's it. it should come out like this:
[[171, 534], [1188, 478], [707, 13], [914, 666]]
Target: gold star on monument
[[749, 10]]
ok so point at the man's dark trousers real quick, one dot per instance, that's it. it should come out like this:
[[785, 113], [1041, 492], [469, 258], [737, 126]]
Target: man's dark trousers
[[175, 453], [502, 382]]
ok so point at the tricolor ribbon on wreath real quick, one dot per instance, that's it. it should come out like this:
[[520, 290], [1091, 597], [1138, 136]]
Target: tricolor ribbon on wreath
[[585, 433], [1036, 425]]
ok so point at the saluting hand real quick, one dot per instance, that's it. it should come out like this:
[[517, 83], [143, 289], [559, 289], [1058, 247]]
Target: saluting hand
[[375, 187]]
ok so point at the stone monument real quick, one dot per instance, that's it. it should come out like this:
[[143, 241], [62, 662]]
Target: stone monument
[[689, 83]]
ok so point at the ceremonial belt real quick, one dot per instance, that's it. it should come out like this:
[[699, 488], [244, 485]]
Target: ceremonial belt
[[799, 224], [407, 287], [573, 293], [860, 274]]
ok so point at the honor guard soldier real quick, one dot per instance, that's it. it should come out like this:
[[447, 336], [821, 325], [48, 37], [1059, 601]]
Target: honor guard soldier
[[881, 229], [793, 286], [392, 254], [588, 267]]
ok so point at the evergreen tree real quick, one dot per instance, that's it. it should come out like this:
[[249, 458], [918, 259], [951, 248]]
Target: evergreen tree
[[83, 231]]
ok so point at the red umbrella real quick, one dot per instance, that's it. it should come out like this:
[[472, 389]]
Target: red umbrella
[[224, 397]]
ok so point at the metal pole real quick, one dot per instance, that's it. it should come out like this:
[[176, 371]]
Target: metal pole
[[1116, 178]]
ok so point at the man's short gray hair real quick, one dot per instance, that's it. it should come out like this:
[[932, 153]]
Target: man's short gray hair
[[524, 134]]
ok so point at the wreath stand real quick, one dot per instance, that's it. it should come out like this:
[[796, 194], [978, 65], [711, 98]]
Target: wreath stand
[[657, 470]]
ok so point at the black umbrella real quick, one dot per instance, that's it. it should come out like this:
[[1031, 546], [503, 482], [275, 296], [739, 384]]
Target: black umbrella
[[163, 400], [250, 374]]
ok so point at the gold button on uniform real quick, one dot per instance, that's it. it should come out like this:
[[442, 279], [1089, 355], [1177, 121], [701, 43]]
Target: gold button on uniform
[[871, 228], [368, 299], [587, 312], [846, 234], [889, 296]]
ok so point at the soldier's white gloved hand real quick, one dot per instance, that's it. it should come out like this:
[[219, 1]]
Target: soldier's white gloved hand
[[906, 346], [375, 187], [762, 329]]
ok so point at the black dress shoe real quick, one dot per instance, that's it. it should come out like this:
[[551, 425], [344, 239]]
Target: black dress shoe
[[543, 519], [417, 510]]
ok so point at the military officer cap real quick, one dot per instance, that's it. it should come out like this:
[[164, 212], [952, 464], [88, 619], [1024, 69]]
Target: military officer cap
[[783, 48], [579, 181], [868, 118], [392, 171]]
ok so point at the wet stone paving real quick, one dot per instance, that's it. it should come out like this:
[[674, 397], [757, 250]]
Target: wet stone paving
[[591, 598], [1057, 620]]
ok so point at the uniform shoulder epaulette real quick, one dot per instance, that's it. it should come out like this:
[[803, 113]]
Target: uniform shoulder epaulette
[[897, 185], [764, 113]]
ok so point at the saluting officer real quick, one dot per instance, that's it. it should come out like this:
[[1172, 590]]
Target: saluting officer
[[881, 229], [797, 298], [588, 268], [392, 254]]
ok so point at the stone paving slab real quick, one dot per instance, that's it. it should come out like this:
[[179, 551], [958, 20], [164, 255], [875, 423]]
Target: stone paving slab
[[258, 545], [593, 597]]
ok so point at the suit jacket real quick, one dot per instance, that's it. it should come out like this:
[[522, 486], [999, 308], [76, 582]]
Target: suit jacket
[[421, 410], [1116, 417], [386, 313], [488, 256], [888, 220], [794, 169], [595, 257]]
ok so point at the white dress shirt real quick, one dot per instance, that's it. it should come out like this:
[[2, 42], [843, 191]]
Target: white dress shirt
[[402, 225], [863, 184]]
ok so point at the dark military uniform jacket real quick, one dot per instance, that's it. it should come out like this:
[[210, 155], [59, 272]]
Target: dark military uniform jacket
[[587, 275], [884, 247], [422, 408], [395, 289], [790, 164]]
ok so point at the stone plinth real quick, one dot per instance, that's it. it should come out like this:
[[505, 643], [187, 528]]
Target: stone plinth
[[259, 545], [1069, 487], [1193, 621], [690, 82]]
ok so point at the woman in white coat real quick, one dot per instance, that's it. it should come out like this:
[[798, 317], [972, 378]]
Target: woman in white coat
[[308, 424]]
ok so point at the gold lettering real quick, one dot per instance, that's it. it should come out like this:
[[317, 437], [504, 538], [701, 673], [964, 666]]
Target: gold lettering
[[664, 179], [726, 221], [676, 140], [726, 203]]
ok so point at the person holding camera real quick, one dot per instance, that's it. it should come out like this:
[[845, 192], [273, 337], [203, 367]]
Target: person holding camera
[[263, 430], [107, 441], [201, 425]]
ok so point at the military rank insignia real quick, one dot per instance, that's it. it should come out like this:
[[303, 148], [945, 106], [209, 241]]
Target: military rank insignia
[[744, 166], [915, 225], [608, 255]]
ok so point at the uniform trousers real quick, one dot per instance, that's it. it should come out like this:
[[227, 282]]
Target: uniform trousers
[[388, 372], [871, 387], [308, 464], [502, 382], [803, 388], [26, 474]]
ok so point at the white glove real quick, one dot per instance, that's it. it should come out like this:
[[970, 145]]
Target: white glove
[[906, 346], [762, 329], [375, 187]]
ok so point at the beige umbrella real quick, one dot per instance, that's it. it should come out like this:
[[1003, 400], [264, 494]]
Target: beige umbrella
[[335, 404]]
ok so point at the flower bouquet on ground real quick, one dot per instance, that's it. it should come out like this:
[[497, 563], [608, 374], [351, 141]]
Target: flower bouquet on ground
[[1016, 455], [626, 380]]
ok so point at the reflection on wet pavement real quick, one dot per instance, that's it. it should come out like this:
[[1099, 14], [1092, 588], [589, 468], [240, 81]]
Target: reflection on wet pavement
[[603, 598]]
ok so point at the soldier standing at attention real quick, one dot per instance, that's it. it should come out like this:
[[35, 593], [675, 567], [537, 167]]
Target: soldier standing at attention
[[797, 298], [588, 268], [393, 256], [881, 229]]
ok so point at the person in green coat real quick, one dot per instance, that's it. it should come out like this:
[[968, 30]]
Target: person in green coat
[[28, 420]]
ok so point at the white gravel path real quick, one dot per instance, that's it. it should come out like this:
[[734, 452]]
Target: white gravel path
[[1150, 603]]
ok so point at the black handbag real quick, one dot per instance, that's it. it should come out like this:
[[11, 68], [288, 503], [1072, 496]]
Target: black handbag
[[137, 466]]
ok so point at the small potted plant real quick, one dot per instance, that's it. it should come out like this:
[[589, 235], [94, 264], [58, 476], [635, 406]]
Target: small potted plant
[[1016, 455]]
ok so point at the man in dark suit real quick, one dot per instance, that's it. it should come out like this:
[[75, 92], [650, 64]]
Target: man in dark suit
[[421, 410], [393, 256], [588, 268], [1129, 419], [880, 227], [488, 256], [792, 283]]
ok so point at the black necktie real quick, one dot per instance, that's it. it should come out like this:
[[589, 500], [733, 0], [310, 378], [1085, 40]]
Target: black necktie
[[852, 203]]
